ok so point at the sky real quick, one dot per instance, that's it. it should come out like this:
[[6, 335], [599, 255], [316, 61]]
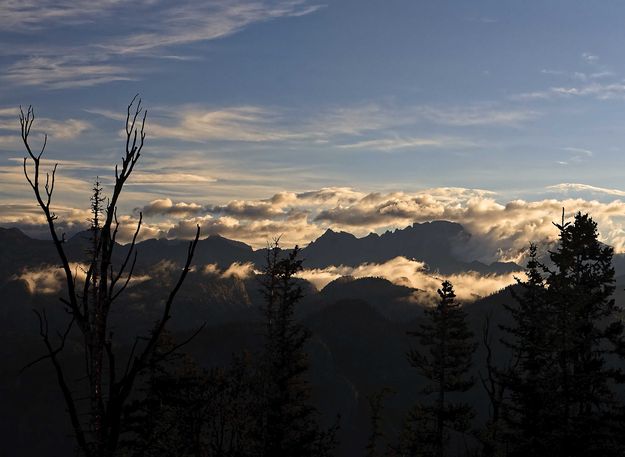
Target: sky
[[288, 117]]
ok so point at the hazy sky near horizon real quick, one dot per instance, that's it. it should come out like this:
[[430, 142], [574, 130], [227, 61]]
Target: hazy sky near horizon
[[478, 105]]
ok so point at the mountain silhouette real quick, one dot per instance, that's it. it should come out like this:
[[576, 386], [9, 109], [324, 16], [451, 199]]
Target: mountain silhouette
[[440, 244]]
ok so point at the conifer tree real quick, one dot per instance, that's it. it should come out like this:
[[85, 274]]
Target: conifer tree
[[587, 332], [570, 335], [288, 423], [444, 359], [531, 340]]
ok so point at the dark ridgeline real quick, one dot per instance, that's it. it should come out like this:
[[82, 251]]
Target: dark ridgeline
[[442, 245]]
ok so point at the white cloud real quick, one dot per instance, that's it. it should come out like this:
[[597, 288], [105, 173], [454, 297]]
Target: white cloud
[[391, 144], [235, 270], [48, 279], [412, 273], [500, 230], [576, 187], [238, 270], [165, 178], [165, 206]]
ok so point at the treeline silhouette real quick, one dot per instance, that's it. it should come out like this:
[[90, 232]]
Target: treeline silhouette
[[555, 391]]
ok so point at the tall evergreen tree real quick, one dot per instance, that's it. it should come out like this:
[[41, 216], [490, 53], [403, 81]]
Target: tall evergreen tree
[[288, 424], [569, 333], [531, 340], [445, 359]]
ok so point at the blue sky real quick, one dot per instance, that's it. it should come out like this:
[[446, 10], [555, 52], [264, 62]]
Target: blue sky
[[395, 98]]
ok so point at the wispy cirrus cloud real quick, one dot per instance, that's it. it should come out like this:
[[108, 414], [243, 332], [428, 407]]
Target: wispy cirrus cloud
[[596, 90], [60, 129], [575, 155], [242, 123], [368, 126], [25, 15], [64, 72], [593, 80], [391, 144], [194, 21], [577, 187], [116, 39], [477, 115]]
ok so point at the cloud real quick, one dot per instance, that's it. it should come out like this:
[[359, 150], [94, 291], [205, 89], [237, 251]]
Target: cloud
[[235, 270], [28, 218], [242, 123], [64, 72], [48, 279], [370, 126], [596, 90], [117, 38], [576, 187], [66, 129], [39, 14], [391, 144], [501, 230], [295, 229], [412, 273], [249, 210], [260, 124], [578, 75], [585, 152], [167, 178], [476, 115], [193, 21], [165, 206], [239, 270]]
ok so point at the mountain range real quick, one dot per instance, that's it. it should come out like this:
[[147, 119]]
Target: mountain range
[[439, 244], [359, 325]]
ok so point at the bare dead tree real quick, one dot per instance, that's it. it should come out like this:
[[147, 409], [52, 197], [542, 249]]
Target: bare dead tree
[[88, 305]]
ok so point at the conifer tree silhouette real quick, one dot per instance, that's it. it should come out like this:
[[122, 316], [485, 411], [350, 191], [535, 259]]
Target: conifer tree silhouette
[[288, 423], [444, 359], [569, 335]]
